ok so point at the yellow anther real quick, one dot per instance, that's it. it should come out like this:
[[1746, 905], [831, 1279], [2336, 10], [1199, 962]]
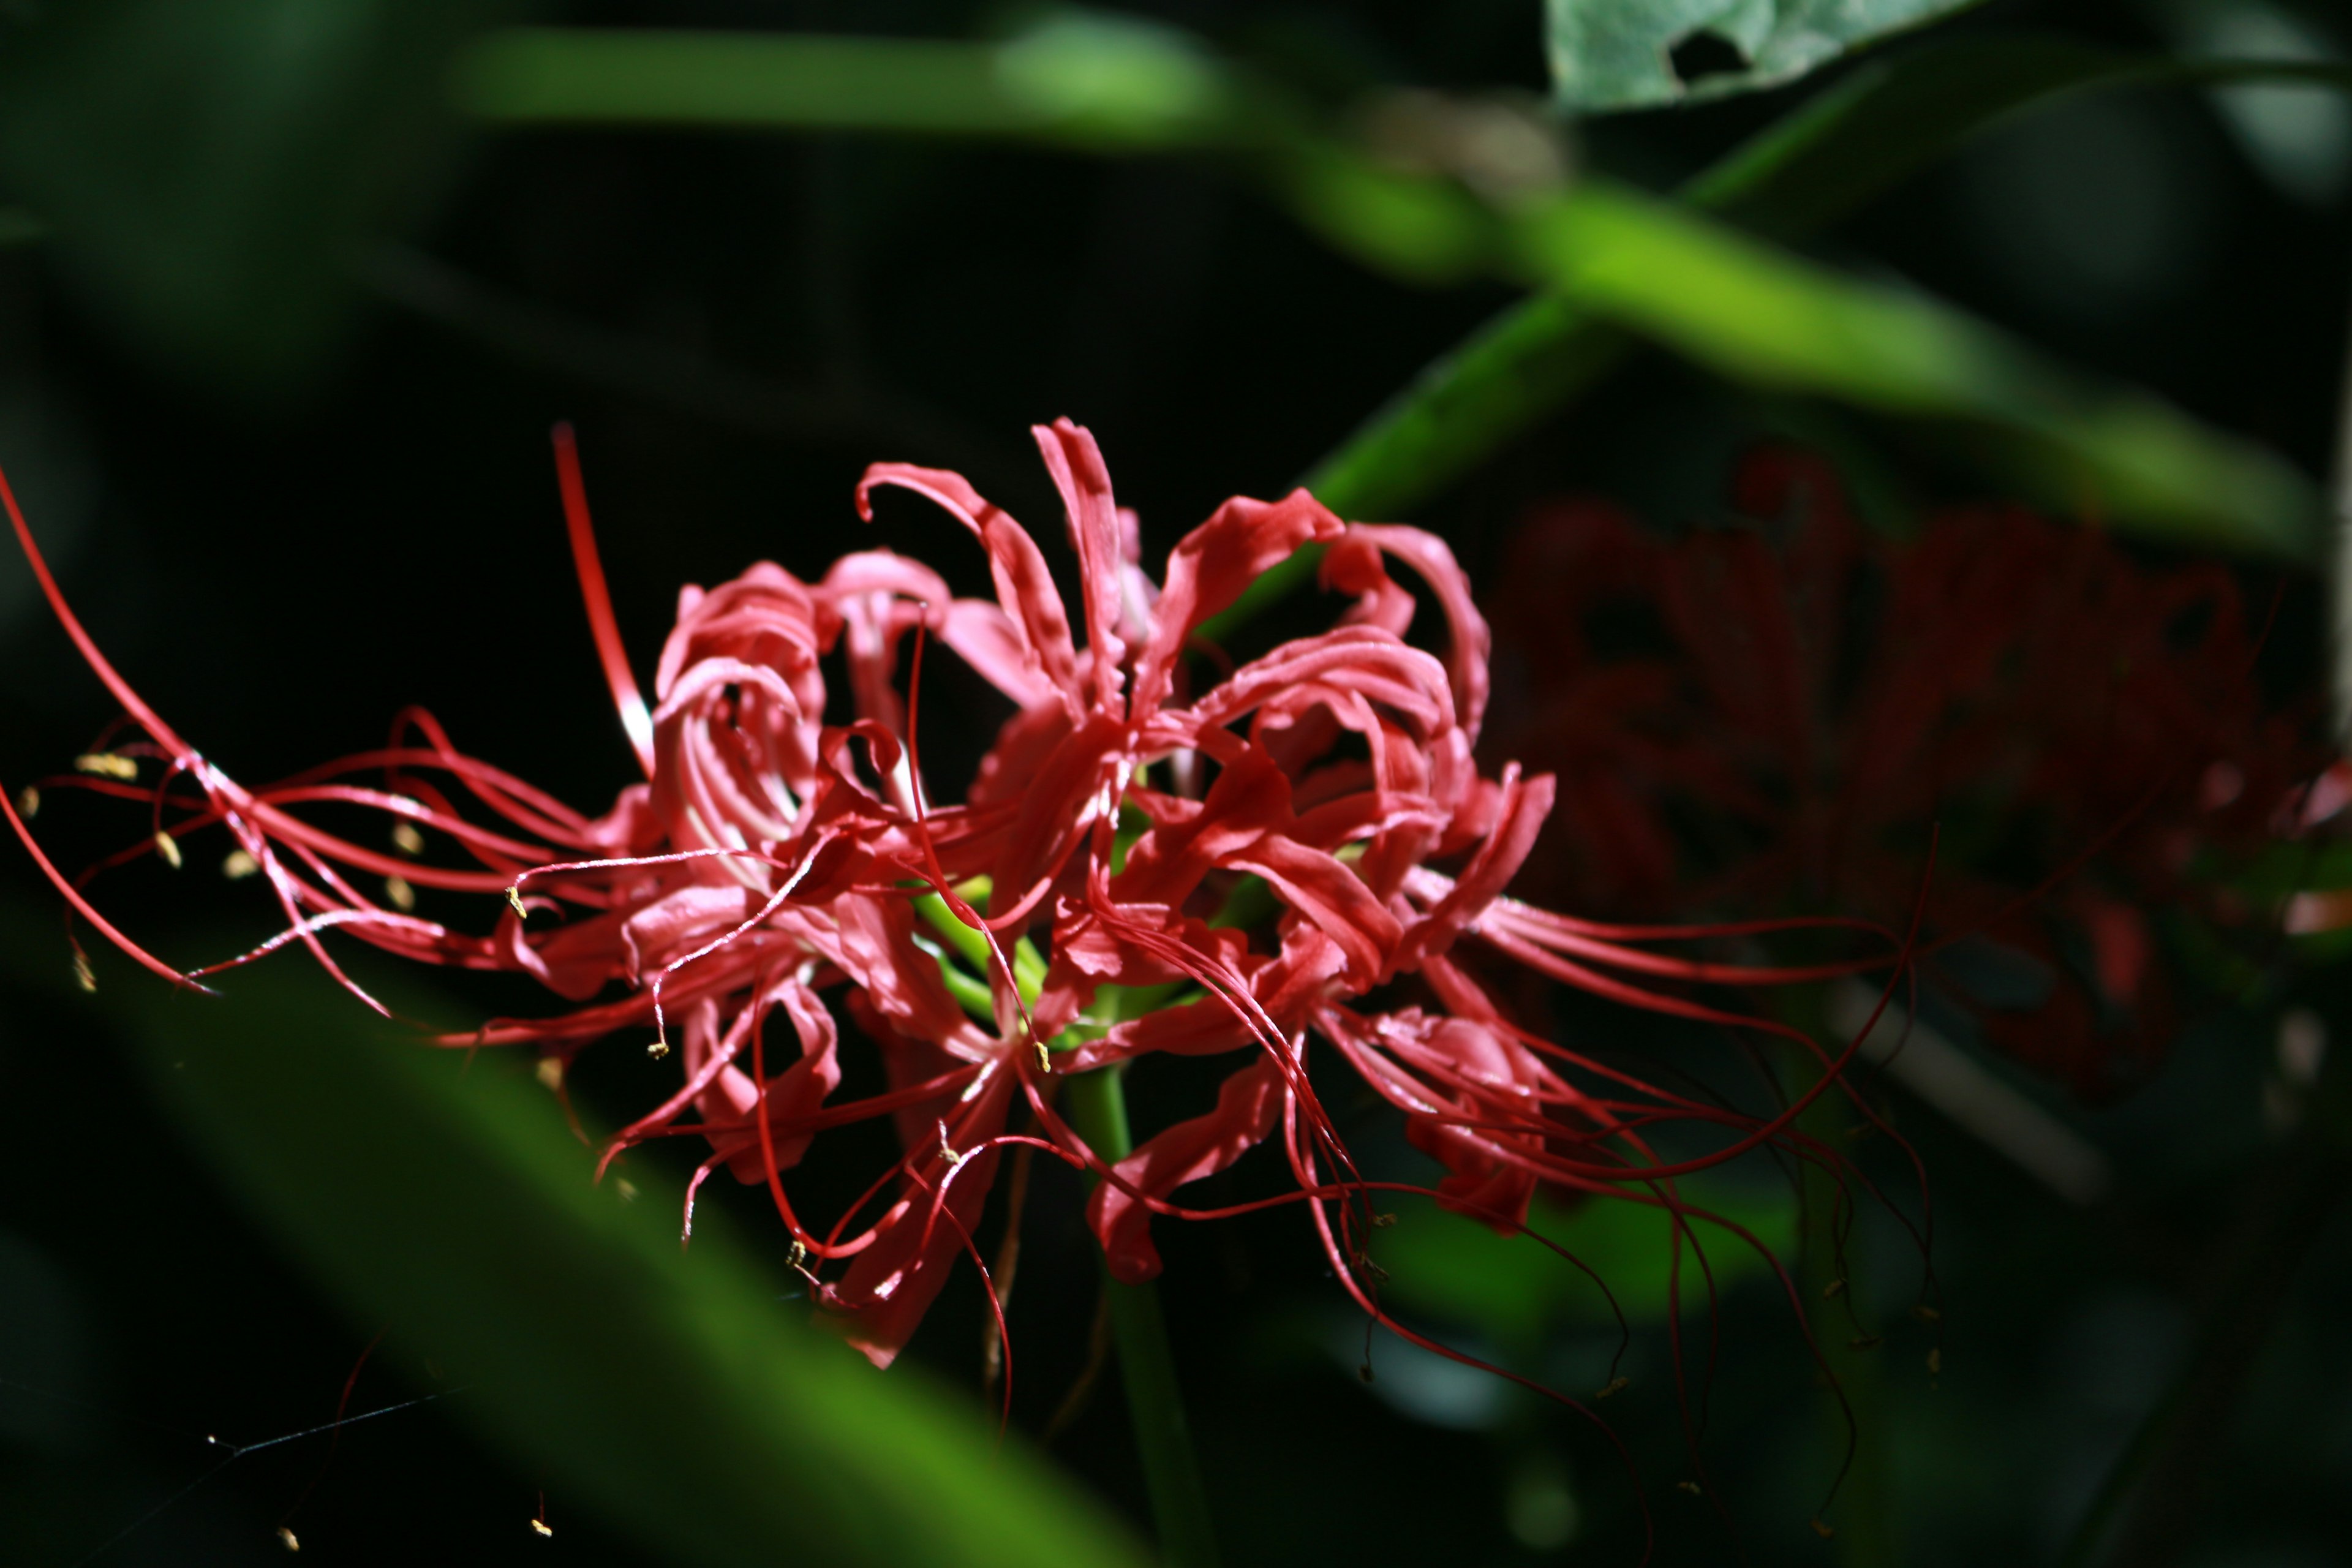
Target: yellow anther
[[286, 1539], [1936, 1363], [239, 865], [514, 897], [627, 1189], [108, 764], [657, 1049], [1926, 1314], [399, 894], [798, 1257], [1044, 1057], [550, 1071], [82, 975], [168, 848], [407, 839], [1832, 1289], [545, 1530], [1824, 1530], [1615, 1385], [1865, 1342], [1690, 1487], [29, 802]]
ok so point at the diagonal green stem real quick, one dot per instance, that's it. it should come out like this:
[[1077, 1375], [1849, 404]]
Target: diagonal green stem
[[1155, 1401]]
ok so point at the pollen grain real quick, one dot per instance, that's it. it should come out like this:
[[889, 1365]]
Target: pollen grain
[[108, 764]]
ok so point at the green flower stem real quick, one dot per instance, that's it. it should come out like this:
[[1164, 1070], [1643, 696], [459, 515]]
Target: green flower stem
[[1155, 1403]]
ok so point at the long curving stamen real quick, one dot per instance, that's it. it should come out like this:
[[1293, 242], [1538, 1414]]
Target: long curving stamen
[[83, 907], [635, 718]]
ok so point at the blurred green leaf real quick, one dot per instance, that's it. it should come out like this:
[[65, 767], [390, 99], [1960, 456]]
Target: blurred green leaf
[[1766, 317], [206, 172], [1080, 79], [670, 1392], [1620, 54], [1513, 1287]]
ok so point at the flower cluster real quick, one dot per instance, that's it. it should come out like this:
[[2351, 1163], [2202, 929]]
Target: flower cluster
[[1303, 848], [1772, 713]]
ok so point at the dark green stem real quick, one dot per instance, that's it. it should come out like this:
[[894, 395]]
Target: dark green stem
[[1155, 1401]]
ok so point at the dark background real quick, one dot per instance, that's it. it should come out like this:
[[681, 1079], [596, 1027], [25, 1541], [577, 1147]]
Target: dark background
[[281, 557]]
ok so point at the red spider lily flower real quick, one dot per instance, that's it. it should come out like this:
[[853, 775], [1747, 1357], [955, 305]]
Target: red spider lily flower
[[1806, 699], [1344, 849], [772, 856]]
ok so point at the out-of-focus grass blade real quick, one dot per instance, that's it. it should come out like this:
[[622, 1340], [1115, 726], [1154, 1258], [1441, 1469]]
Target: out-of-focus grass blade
[[1764, 316], [1098, 81], [678, 1394]]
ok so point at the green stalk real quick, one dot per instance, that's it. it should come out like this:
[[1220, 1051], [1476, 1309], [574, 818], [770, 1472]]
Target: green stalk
[[1155, 1403]]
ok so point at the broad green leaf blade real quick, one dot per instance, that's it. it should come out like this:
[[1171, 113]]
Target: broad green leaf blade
[[1621, 54], [676, 1394]]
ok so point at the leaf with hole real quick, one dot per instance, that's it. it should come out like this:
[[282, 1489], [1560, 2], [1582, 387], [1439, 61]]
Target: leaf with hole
[[1610, 55]]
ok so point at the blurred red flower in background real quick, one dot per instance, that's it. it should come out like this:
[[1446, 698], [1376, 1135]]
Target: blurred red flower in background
[[1772, 715]]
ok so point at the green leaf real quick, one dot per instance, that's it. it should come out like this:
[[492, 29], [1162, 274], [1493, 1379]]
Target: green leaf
[[1513, 1289], [205, 171], [674, 1393], [1618, 53], [1770, 318], [1081, 80]]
